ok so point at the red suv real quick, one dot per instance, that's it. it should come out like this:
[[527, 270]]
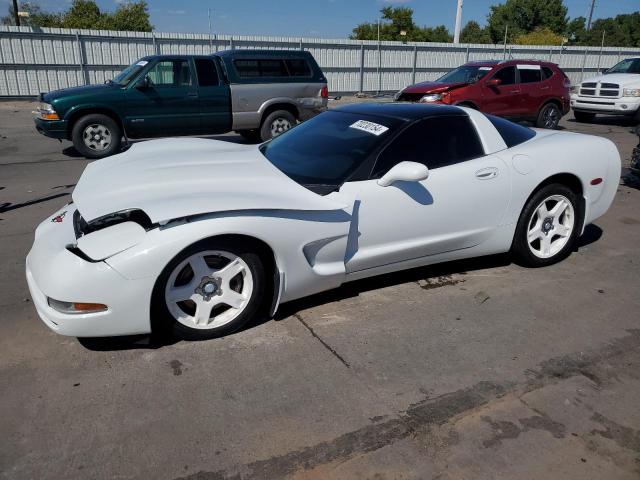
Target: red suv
[[517, 89]]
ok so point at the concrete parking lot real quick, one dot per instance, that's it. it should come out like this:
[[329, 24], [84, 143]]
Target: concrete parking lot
[[478, 369]]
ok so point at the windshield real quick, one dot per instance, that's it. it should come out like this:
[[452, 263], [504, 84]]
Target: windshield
[[129, 73], [326, 149], [630, 65], [465, 74]]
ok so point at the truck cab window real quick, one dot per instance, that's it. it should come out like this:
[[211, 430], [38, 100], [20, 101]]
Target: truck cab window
[[206, 71]]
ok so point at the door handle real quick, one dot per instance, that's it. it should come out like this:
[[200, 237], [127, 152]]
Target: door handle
[[487, 173], [514, 91], [545, 88]]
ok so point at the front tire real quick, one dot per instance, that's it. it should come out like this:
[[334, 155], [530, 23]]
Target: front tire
[[548, 226], [209, 290], [549, 117], [584, 117], [276, 123], [96, 136]]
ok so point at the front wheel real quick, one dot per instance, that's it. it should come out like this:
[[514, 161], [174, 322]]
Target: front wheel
[[209, 290], [549, 117], [96, 136], [548, 226], [276, 123]]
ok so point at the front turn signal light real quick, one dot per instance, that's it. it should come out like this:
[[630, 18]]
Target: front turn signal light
[[76, 307]]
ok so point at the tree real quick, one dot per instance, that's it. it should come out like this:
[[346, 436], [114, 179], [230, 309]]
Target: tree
[[620, 31], [130, 16], [395, 21], [524, 16], [474, 33], [540, 36]]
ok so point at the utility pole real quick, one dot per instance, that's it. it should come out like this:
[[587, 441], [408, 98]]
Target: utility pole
[[379, 59], [593, 4], [456, 34], [210, 40], [15, 13], [504, 48]]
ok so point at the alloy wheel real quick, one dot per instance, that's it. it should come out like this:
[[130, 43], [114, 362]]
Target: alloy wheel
[[279, 125], [551, 117], [550, 226]]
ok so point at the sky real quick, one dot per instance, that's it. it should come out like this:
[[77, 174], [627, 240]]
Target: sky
[[317, 18]]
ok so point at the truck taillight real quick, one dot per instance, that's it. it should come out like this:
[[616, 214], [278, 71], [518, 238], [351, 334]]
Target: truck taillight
[[324, 93]]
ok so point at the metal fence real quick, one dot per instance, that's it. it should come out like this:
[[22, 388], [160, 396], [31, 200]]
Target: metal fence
[[34, 60]]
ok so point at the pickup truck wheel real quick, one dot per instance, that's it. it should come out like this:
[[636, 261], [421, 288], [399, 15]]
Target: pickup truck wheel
[[584, 117], [276, 123], [96, 136]]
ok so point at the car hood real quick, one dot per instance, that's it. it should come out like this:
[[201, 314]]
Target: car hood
[[178, 177], [624, 79], [78, 91], [433, 87]]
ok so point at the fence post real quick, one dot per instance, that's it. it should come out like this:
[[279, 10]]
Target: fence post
[[361, 67], [467, 54], [81, 60], [584, 62], [231, 46], [301, 46], [415, 63]]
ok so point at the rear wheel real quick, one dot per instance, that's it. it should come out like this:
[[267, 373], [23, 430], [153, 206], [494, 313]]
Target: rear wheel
[[209, 290], [548, 226], [276, 123], [549, 116], [584, 117], [96, 136]]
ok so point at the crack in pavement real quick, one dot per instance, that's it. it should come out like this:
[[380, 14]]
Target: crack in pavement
[[432, 412], [324, 344]]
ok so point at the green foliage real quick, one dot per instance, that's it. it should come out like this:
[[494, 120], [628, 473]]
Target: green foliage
[[396, 20], [129, 16], [474, 33], [524, 16], [620, 31], [540, 36]]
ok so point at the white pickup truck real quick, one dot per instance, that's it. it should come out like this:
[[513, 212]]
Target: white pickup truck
[[615, 92]]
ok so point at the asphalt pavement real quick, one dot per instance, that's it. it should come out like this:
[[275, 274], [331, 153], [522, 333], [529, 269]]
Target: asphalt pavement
[[478, 369]]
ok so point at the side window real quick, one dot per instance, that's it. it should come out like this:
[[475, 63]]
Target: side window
[[435, 142], [512, 133], [298, 67], [206, 71], [260, 68], [170, 73], [529, 73], [506, 75], [548, 73]]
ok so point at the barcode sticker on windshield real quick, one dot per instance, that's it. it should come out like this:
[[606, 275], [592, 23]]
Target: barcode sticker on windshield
[[369, 127], [485, 68], [142, 63]]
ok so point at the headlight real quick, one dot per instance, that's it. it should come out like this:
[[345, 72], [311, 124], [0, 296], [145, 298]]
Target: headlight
[[431, 97], [631, 92], [46, 112], [573, 88]]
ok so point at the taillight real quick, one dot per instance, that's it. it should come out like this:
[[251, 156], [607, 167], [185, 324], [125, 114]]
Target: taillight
[[324, 93]]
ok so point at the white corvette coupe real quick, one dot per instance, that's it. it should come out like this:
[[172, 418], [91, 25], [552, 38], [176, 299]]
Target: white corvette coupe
[[198, 236]]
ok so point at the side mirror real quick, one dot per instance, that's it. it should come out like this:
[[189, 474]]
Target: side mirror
[[604, 70], [143, 83], [493, 82], [405, 172]]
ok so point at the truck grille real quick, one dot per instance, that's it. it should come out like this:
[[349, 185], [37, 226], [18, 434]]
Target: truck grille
[[592, 89]]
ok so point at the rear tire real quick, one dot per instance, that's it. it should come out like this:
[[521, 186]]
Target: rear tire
[[548, 227], [223, 284], [276, 123], [584, 117], [549, 116], [96, 136]]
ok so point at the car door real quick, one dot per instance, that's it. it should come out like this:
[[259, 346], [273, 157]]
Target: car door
[[458, 206], [214, 98], [532, 88], [502, 99], [166, 103]]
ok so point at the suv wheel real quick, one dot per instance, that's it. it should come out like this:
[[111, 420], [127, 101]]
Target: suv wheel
[[96, 136], [276, 123], [585, 117], [549, 116]]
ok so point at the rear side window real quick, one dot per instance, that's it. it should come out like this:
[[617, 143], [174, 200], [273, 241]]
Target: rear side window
[[206, 70], [298, 67], [435, 142], [512, 133], [548, 73], [507, 75], [260, 68], [530, 74]]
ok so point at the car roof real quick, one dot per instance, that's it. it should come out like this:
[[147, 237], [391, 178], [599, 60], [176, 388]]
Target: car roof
[[513, 61], [399, 110], [262, 53]]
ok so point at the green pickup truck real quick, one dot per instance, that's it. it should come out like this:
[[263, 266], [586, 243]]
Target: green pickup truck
[[257, 93]]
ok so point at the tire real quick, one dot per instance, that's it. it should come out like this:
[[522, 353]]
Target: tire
[[252, 136], [276, 123], [549, 116], [85, 136], [205, 313], [584, 117], [538, 241]]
